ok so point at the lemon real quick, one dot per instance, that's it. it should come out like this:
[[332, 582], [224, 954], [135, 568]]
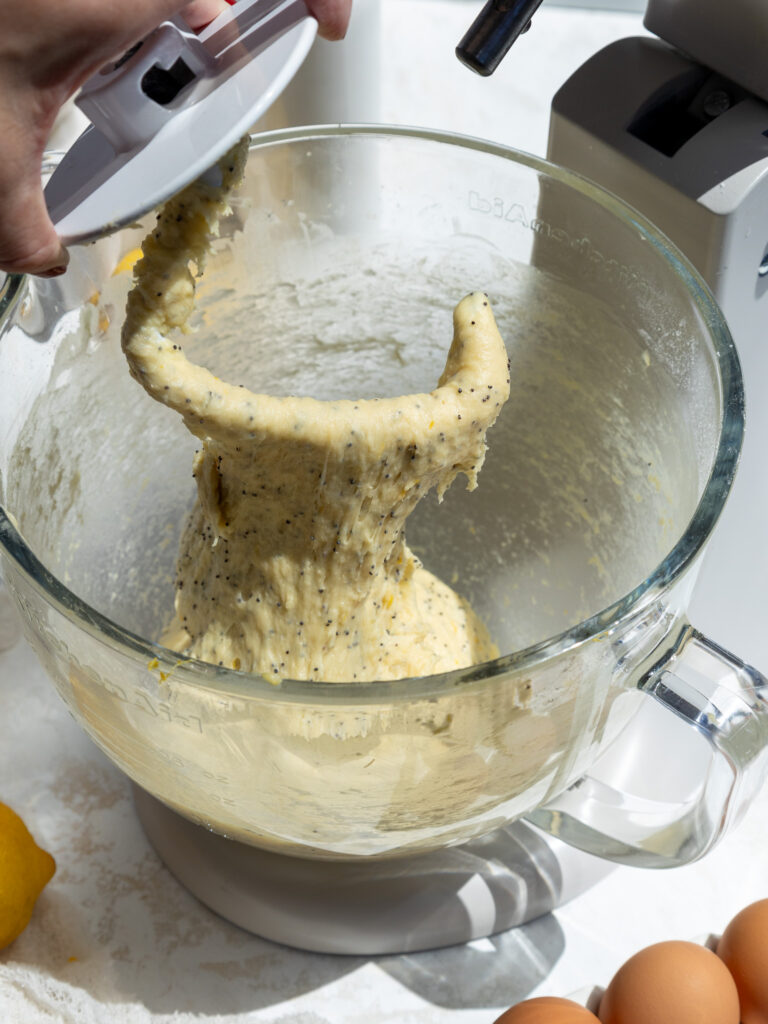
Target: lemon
[[25, 870], [127, 262]]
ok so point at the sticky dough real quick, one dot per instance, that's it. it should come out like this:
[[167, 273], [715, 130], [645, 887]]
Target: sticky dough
[[294, 561]]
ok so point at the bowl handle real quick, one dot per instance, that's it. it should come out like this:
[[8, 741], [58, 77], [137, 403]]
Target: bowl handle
[[681, 772]]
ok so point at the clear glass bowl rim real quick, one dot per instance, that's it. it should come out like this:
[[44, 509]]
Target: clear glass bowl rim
[[673, 566]]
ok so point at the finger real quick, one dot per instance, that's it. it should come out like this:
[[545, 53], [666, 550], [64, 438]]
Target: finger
[[28, 239], [332, 17], [199, 13]]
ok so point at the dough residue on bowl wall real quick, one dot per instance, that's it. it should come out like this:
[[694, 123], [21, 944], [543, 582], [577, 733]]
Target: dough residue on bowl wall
[[294, 562]]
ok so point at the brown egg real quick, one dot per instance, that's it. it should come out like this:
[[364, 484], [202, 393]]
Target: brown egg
[[547, 1010], [743, 948], [671, 983]]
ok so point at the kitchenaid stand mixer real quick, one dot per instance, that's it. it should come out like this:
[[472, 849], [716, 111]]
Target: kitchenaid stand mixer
[[450, 895], [724, 234], [678, 127]]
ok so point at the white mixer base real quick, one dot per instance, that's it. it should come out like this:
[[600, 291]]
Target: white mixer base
[[400, 905]]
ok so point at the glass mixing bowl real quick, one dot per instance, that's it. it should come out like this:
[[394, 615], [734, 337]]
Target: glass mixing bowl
[[336, 275]]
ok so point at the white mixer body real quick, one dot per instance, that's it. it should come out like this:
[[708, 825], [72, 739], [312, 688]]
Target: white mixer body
[[730, 38], [689, 149]]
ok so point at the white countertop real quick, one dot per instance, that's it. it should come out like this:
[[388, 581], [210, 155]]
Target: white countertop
[[116, 940]]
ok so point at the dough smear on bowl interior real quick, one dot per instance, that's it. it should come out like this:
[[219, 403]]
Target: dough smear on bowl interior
[[294, 562]]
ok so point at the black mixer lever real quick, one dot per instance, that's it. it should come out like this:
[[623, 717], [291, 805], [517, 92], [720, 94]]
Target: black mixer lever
[[493, 31]]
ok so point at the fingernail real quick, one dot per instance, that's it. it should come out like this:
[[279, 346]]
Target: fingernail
[[53, 272]]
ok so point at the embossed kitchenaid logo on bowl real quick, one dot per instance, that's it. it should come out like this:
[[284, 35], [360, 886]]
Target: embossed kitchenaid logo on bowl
[[591, 261], [156, 708]]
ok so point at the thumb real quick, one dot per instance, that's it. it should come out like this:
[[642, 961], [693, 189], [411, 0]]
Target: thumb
[[332, 16], [28, 239], [199, 13]]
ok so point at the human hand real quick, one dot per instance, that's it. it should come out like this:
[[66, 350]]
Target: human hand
[[332, 15], [48, 49]]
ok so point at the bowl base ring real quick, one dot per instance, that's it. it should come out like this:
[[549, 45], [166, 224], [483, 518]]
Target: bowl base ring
[[372, 907]]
